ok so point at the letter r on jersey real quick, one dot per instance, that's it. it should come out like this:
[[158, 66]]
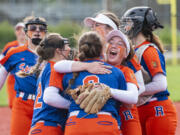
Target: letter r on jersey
[[127, 114], [159, 111]]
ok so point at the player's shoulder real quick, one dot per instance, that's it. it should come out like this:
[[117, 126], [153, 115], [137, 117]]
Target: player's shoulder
[[150, 52], [13, 51], [116, 71], [10, 45], [135, 62], [17, 50]]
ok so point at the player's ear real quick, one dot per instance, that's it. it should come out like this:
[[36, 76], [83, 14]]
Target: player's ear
[[59, 51]]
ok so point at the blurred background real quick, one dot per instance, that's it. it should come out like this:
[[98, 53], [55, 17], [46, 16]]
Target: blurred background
[[66, 16]]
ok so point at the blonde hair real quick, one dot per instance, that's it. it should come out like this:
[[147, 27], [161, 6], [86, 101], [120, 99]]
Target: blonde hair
[[111, 16]]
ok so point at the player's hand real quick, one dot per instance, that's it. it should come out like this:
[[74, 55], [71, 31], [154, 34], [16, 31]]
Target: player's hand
[[98, 68]]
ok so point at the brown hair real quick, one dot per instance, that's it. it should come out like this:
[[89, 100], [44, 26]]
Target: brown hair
[[90, 46], [46, 51], [31, 18], [111, 16], [131, 52], [153, 38]]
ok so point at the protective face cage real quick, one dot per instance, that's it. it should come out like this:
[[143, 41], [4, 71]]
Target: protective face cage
[[139, 18], [72, 54], [131, 26]]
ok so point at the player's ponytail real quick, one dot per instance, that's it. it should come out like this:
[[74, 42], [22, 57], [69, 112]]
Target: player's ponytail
[[90, 47], [153, 38], [45, 51]]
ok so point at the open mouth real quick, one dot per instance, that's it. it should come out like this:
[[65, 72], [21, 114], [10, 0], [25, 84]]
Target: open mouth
[[36, 35], [113, 52]]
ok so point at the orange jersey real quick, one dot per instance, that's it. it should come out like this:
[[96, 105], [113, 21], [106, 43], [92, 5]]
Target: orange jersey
[[130, 117], [9, 45], [152, 60], [134, 64], [128, 74], [10, 80]]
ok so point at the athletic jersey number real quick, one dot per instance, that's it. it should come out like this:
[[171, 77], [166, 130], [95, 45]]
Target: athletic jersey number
[[37, 103], [91, 79]]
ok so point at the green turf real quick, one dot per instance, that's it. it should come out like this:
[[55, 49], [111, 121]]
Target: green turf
[[3, 97], [173, 77]]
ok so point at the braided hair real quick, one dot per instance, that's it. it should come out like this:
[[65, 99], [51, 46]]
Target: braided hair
[[45, 51]]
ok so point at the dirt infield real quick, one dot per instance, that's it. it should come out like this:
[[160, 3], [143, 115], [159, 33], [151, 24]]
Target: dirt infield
[[5, 117]]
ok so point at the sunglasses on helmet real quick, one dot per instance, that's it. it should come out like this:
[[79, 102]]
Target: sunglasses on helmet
[[35, 27]]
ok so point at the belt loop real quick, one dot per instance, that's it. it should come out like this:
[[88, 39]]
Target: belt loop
[[25, 97]]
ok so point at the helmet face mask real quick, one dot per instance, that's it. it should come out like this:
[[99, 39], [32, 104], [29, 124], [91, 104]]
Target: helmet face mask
[[131, 26], [142, 18]]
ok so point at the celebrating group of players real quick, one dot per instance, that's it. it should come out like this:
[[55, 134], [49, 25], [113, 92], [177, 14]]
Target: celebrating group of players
[[116, 84]]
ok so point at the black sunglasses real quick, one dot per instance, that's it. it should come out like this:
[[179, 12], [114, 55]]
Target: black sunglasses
[[34, 28]]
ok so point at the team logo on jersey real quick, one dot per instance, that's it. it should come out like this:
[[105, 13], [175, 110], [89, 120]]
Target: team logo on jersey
[[24, 68], [132, 76], [91, 79], [127, 115], [154, 64]]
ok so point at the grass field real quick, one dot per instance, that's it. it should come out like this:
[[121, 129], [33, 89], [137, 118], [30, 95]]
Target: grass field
[[3, 97], [173, 77]]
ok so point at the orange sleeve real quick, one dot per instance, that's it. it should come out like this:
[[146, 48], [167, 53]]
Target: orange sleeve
[[152, 61], [135, 62], [129, 75], [9, 45], [55, 78], [13, 51]]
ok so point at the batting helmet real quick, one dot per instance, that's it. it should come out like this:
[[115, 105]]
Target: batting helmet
[[139, 18]]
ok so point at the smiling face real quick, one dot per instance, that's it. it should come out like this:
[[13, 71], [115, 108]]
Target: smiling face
[[116, 51]]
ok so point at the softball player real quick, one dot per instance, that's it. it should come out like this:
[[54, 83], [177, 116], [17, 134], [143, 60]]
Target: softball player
[[103, 23], [118, 53], [101, 26], [106, 121], [21, 59], [49, 119], [20, 35], [158, 114]]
